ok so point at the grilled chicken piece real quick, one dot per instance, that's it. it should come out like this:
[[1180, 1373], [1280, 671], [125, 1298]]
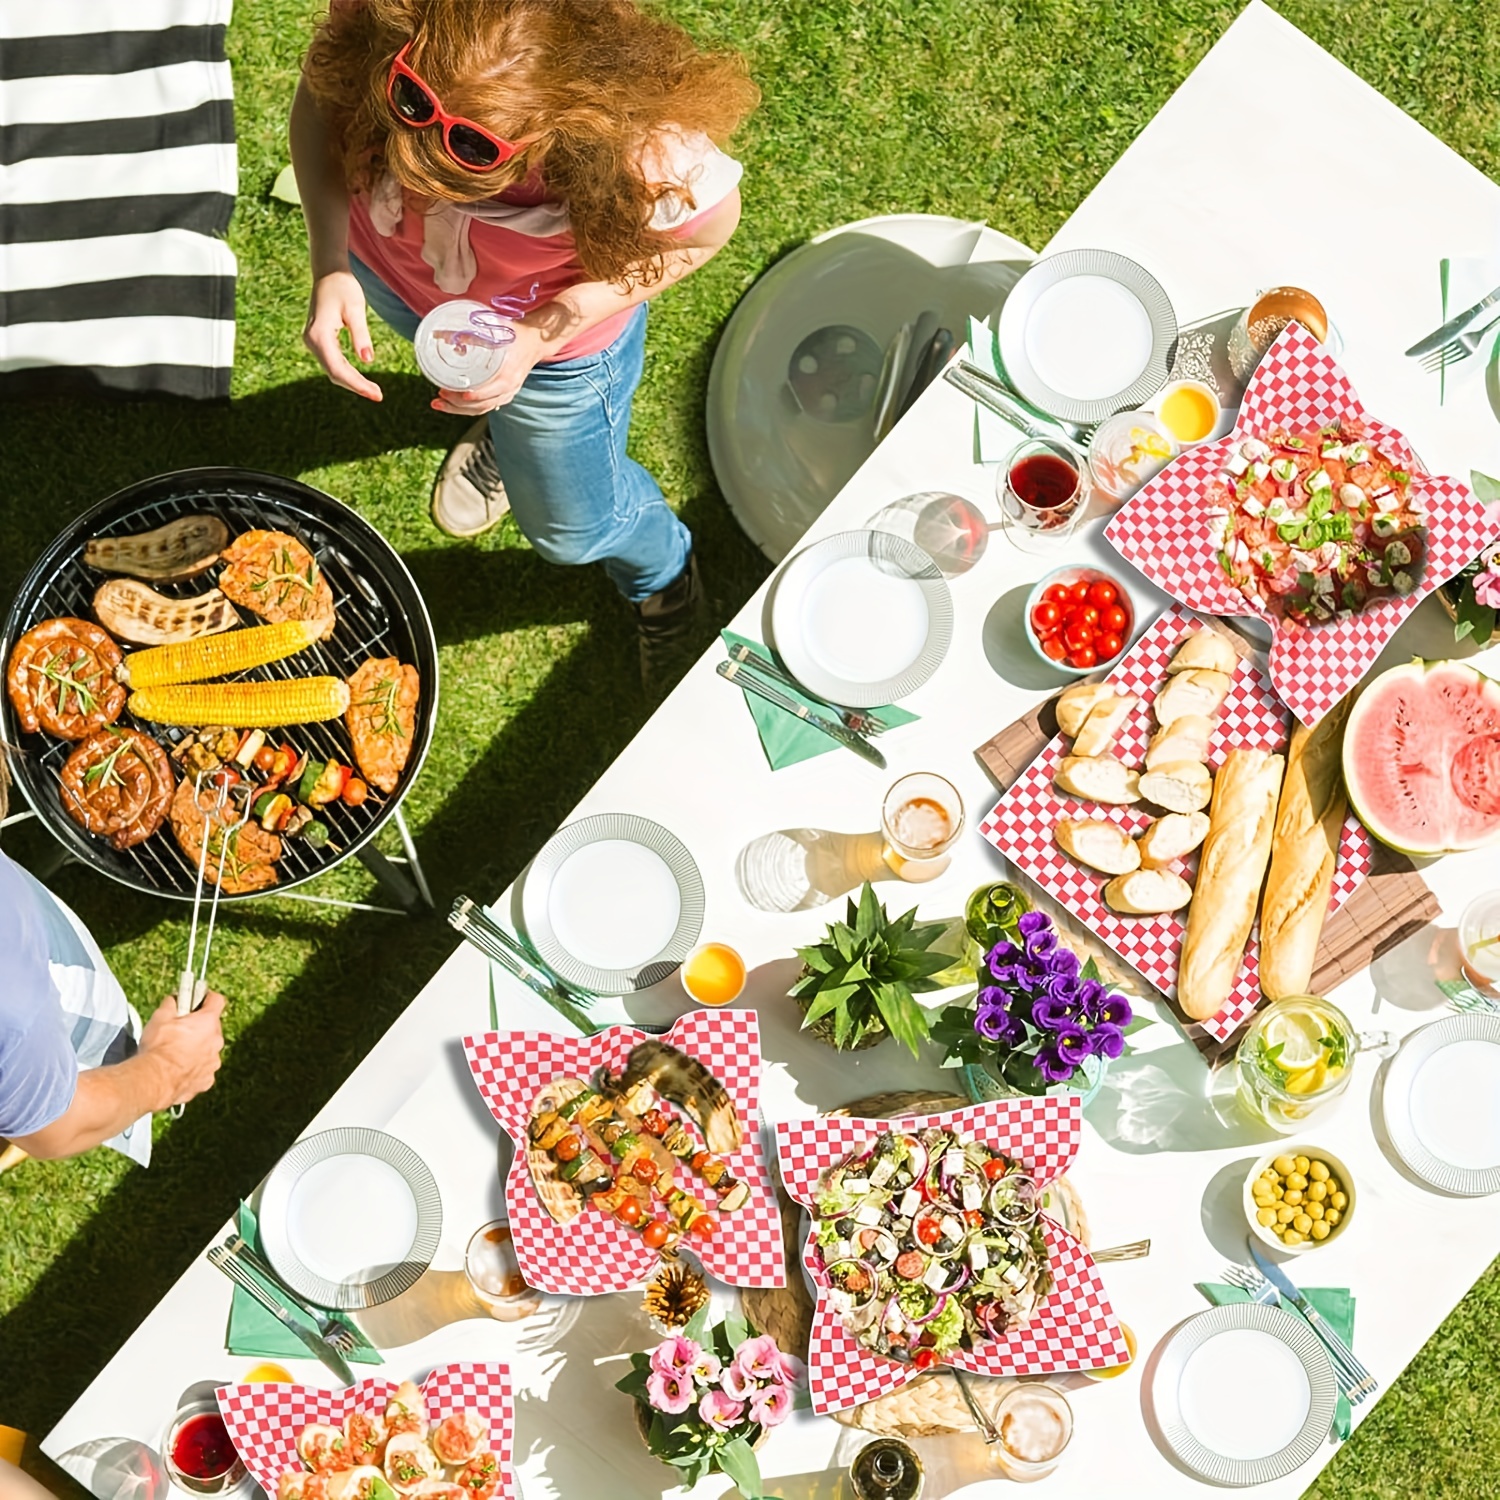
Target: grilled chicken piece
[[273, 574], [181, 549], [61, 678], [250, 859], [382, 718], [118, 784], [135, 612]]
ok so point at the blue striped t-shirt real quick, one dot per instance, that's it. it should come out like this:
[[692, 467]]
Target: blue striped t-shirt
[[38, 1068]]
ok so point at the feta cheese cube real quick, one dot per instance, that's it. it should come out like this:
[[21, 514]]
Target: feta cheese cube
[[911, 1201], [1237, 463], [882, 1172], [951, 1227], [935, 1277], [973, 1194], [979, 1257], [858, 1186], [1254, 507], [1258, 471], [868, 1214], [1318, 480], [953, 1160]]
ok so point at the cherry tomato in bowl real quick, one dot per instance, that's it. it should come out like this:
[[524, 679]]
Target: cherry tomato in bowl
[[1078, 619]]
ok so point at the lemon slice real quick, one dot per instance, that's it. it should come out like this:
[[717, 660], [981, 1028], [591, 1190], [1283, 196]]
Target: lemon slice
[[1300, 1035], [1307, 1080]]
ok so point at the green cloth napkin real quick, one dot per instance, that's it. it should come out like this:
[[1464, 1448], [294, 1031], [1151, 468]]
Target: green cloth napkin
[[254, 1332], [1335, 1305], [784, 737]]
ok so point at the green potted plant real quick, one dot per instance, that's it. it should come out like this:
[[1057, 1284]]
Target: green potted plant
[[856, 986]]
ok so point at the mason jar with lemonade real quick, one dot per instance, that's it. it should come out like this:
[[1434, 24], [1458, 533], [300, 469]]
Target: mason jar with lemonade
[[1295, 1058]]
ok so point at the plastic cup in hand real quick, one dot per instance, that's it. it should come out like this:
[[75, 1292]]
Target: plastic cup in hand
[[462, 344], [1042, 489]]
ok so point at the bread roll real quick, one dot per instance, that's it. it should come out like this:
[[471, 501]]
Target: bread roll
[[1078, 702], [1309, 826], [1171, 838], [1180, 786], [1186, 738], [1099, 845], [1103, 724], [1199, 690], [1233, 864], [1206, 648], [1147, 893], [1098, 778]]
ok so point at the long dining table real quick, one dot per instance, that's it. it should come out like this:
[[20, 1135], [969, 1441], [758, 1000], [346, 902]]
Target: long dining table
[[1158, 1159]]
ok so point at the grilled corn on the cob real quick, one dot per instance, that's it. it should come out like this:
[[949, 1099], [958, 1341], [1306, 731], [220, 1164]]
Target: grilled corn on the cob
[[243, 705], [216, 655]]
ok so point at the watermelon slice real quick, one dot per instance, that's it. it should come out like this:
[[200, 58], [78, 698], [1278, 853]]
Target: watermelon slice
[[1422, 758]]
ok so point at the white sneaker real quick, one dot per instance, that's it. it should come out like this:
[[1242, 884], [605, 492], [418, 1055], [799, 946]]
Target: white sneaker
[[469, 496]]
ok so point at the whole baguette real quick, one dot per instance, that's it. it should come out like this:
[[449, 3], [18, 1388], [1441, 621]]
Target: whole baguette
[[1309, 826], [1241, 819]]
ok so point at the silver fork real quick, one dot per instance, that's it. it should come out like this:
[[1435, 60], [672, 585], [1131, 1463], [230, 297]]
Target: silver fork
[[1354, 1380], [852, 718], [335, 1334], [1459, 349]]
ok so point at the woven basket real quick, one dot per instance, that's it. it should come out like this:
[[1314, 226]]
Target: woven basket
[[930, 1405]]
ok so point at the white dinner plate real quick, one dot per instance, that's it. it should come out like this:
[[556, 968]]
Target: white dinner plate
[[1244, 1393], [1441, 1102], [613, 903], [861, 618], [1087, 333], [350, 1218]]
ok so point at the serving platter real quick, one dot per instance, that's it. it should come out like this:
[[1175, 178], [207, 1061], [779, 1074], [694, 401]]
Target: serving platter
[[1086, 333], [861, 618], [613, 903], [1021, 823], [1244, 1393], [1441, 1103], [350, 1218]]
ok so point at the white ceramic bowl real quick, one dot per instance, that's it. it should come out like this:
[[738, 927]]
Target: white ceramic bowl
[[1073, 574], [1336, 1169]]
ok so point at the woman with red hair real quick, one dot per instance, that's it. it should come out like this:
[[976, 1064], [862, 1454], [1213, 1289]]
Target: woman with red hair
[[561, 155]]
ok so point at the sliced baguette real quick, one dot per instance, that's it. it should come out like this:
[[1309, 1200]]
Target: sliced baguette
[[1172, 838], [1208, 649], [1185, 738], [1098, 778], [1102, 725], [1180, 786], [1198, 690], [1147, 893], [1078, 702], [1099, 845]]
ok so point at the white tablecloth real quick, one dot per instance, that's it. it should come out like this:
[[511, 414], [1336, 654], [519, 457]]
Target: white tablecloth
[[1156, 1161]]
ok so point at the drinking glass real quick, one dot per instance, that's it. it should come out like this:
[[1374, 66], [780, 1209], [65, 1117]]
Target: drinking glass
[[1042, 489], [1479, 938], [1261, 324], [494, 1274], [713, 974], [1297, 1056], [1035, 1424], [920, 822], [197, 1450]]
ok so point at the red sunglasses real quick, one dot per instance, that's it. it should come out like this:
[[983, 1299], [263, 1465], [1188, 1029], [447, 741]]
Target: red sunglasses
[[413, 102]]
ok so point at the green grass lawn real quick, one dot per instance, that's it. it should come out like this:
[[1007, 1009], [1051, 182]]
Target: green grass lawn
[[1006, 110]]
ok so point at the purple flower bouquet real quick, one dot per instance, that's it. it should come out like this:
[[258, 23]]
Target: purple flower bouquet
[[1040, 1022]]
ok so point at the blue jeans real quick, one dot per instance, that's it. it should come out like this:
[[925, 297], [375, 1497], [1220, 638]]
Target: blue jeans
[[560, 447]]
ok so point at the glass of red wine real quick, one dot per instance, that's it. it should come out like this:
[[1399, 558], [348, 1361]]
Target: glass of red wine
[[200, 1455], [1042, 488]]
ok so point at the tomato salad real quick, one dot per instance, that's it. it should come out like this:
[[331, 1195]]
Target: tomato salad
[[1316, 525], [931, 1244], [1082, 624]]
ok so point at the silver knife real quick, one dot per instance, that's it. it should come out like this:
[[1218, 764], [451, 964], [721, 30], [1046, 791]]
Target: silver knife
[[1363, 1382], [735, 672], [221, 1260], [1440, 336]]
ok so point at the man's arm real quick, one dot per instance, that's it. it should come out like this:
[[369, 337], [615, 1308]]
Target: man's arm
[[177, 1060]]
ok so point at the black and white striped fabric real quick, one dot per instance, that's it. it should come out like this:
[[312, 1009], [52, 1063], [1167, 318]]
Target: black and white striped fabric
[[117, 179]]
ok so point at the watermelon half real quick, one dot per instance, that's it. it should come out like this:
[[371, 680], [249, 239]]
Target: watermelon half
[[1422, 758]]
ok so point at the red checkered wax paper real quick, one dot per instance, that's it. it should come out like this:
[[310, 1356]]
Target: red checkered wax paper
[[264, 1420], [1074, 1329], [1021, 823], [595, 1253], [1169, 531]]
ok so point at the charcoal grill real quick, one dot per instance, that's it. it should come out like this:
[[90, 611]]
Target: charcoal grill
[[380, 613]]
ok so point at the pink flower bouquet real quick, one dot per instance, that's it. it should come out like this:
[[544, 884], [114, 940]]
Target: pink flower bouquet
[[708, 1395]]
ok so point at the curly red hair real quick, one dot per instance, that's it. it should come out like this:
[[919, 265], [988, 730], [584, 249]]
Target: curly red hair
[[589, 80]]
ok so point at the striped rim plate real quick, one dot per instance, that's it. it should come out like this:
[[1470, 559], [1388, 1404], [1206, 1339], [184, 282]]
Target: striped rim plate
[[1396, 1096], [907, 667], [290, 1223], [1235, 1317], [1052, 271], [536, 897]]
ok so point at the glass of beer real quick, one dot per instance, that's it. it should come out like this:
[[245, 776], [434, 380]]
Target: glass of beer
[[920, 822], [494, 1274], [1035, 1424]]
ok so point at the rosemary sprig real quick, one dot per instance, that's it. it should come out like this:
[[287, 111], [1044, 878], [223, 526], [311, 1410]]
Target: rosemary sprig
[[67, 681], [287, 576], [106, 773], [385, 719]]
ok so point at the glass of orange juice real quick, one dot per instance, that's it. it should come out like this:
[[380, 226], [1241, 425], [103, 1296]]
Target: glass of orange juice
[[713, 974]]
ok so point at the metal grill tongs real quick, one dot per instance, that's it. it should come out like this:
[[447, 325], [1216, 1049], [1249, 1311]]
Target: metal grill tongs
[[472, 922]]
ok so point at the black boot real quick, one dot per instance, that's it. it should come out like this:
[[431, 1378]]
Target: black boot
[[667, 626]]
